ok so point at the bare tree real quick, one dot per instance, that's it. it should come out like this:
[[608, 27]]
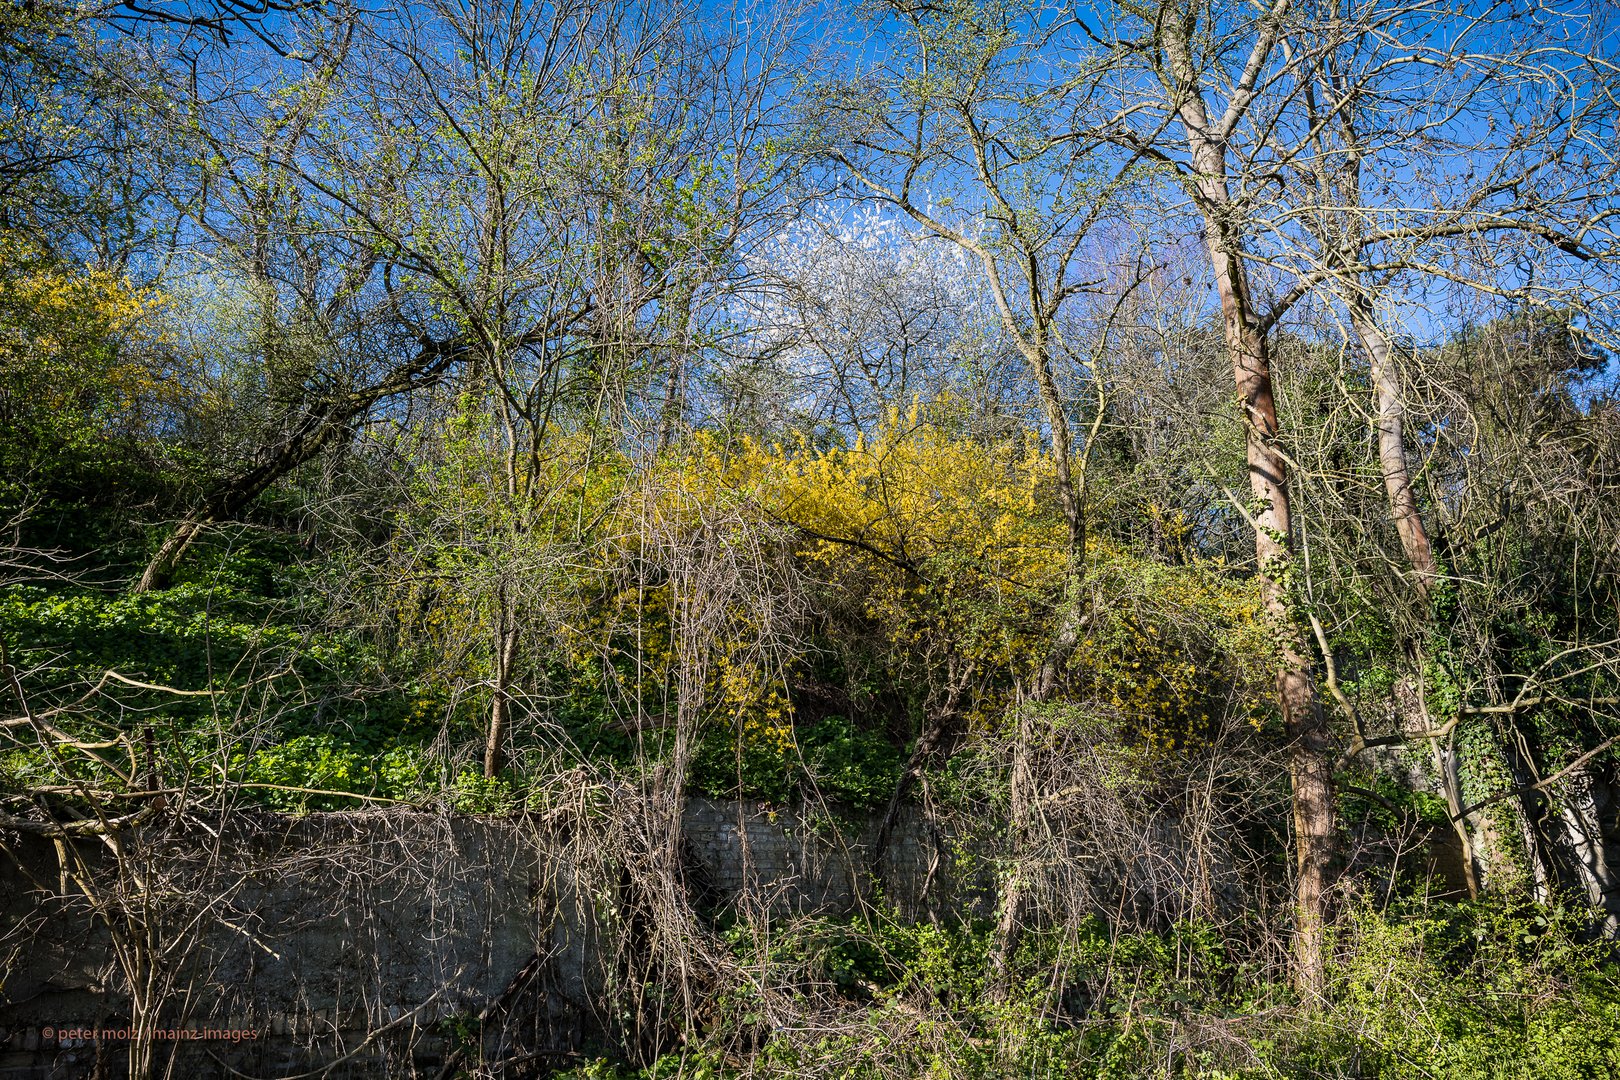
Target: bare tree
[[1209, 74], [1513, 211]]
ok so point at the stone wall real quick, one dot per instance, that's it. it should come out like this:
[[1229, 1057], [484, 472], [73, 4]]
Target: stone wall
[[370, 944], [370, 939]]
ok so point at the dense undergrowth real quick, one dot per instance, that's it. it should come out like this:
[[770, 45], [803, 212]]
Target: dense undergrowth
[[330, 714], [1417, 990], [254, 679], [688, 480], [251, 695]]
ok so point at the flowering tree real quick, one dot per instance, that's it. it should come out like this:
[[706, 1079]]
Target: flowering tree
[[859, 312]]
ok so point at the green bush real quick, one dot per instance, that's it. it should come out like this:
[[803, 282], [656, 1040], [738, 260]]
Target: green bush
[[1490, 991], [833, 758]]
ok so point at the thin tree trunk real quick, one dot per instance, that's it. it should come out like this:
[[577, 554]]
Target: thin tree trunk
[[933, 741], [500, 707], [320, 427], [678, 328], [1391, 424], [1340, 232], [1074, 514], [234, 495], [1071, 499], [1445, 763], [1014, 887], [161, 568]]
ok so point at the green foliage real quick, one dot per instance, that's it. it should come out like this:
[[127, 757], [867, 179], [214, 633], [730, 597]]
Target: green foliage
[[1475, 992], [330, 763], [1384, 801], [80, 397], [687, 1066], [1491, 991], [1083, 1002], [234, 649], [832, 757], [453, 304]]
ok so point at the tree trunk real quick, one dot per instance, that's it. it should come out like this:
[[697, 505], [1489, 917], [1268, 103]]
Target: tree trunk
[[1311, 770], [233, 495], [322, 425], [1309, 741], [1445, 763], [1071, 499], [161, 568], [1040, 362], [500, 707], [1014, 888], [1391, 423], [1585, 808]]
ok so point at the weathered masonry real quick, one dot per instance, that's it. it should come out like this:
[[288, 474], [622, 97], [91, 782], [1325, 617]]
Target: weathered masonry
[[376, 941]]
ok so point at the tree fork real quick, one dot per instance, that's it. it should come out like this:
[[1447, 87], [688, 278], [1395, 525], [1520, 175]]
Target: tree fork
[[1308, 739]]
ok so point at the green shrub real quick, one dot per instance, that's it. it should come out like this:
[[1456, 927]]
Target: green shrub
[[1490, 991], [833, 758]]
